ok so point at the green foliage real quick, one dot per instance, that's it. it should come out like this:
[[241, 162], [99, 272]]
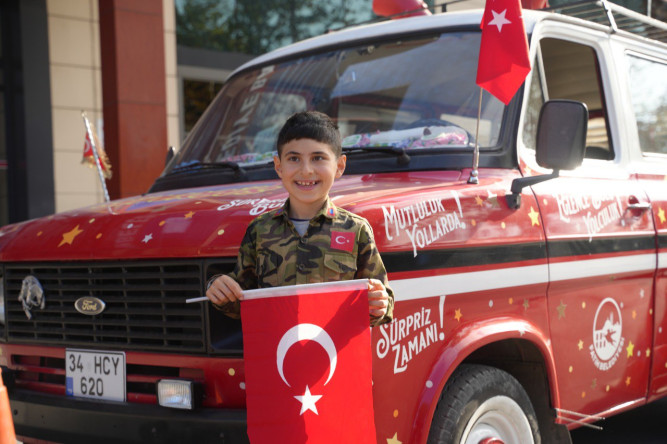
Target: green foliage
[[255, 27]]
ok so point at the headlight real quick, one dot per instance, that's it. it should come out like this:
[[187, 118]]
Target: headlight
[[176, 393]]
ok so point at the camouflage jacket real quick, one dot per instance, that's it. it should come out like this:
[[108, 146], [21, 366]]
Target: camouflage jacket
[[338, 245]]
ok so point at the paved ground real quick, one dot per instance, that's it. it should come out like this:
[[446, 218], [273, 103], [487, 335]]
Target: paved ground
[[644, 425]]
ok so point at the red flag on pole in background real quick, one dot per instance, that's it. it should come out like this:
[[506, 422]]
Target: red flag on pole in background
[[503, 54], [307, 354], [89, 156], [400, 8]]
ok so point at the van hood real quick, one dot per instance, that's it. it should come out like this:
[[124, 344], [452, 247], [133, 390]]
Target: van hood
[[196, 222]]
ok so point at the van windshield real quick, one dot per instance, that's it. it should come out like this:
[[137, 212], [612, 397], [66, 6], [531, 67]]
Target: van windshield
[[417, 94]]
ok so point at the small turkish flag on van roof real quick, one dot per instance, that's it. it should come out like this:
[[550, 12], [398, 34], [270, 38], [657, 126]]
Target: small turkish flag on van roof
[[503, 54]]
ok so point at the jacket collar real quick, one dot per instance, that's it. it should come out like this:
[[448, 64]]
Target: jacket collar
[[328, 210]]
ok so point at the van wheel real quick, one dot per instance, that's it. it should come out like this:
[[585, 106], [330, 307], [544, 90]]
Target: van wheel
[[482, 404]]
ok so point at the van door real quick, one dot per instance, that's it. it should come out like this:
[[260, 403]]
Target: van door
[[601, 252], [647, 121]]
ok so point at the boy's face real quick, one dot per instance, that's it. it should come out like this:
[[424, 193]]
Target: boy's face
[[307, 169]]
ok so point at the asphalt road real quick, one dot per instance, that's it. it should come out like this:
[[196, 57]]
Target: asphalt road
[[643, 425]]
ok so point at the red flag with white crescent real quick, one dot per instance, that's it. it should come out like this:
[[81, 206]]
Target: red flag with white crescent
[[307, 354], [503, 54]]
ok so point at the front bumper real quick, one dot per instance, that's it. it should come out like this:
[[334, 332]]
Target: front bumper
[[63, 419]]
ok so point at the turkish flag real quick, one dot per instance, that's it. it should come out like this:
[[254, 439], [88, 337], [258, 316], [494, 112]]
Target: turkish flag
[[307, 354], [503, 54]]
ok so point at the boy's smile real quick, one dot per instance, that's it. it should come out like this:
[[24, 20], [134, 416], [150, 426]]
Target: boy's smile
[[307, 169]]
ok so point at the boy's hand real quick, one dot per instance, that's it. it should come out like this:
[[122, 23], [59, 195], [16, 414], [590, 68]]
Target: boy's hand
[[224, 290], [378, 300]]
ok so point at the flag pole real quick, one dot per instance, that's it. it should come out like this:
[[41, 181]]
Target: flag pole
[[95, 155], [473, 179]]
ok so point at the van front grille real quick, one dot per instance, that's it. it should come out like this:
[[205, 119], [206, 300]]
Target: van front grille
[[145, 305]]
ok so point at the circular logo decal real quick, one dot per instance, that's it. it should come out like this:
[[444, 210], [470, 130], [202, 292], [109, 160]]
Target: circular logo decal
[[607, 334]]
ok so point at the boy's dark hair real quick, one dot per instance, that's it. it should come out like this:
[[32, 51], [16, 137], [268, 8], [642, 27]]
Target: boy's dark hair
[[310, 125]]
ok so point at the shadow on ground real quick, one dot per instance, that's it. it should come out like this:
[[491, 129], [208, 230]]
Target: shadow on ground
[[643, 425]]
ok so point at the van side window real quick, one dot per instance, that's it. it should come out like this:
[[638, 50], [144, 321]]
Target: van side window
[[648, 89], [570, 71], [535, 102]]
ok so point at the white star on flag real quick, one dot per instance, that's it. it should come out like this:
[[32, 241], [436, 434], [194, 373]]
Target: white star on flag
[[147, 238], [308, 401], [499, 20]]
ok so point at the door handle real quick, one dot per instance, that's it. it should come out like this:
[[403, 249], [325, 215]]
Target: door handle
[[641, 206]]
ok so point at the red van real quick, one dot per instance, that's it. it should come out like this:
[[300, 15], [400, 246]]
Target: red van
[[528, 302]]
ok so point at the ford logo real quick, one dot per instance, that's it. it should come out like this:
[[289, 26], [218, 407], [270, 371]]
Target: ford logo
[[89, 305]]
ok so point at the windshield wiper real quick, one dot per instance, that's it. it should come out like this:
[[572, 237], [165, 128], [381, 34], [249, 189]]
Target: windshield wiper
[[402, 156], [197, 166]]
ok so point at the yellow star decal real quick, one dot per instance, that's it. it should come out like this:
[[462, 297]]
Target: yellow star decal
[[580, 345], [661, 215], [561, 310], [458, 315], [627, 380], [634, 314], [511, 301], [394, 439], [68, 237], [534, 217], [189, 215], [479, 200], [630, 349], [648, 352]]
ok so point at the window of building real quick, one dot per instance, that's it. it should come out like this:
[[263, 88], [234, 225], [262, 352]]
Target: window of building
[[197, 94], [255, 27]]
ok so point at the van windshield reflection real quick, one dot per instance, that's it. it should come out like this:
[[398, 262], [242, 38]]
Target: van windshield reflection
[[417, 94]]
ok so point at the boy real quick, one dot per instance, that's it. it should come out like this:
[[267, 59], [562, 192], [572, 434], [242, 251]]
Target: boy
[[309, 239]]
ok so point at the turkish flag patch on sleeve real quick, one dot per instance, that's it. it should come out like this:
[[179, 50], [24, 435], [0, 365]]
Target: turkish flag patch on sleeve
[[342, 240]]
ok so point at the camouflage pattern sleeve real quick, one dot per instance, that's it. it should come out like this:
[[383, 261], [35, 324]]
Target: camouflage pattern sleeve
[[244, 273], [370, 266]]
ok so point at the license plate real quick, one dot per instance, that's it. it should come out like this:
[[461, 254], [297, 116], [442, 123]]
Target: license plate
[[95, 374]]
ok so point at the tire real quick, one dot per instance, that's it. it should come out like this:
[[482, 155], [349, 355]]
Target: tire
[[480, 403]]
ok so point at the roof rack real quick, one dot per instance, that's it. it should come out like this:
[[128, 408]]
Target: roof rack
[[616, 17]]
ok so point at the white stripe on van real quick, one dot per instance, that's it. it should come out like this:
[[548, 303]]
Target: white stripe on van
[[424, 287]]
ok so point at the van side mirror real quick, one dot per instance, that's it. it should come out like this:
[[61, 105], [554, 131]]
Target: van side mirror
[[561, 143], [561, 134]]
